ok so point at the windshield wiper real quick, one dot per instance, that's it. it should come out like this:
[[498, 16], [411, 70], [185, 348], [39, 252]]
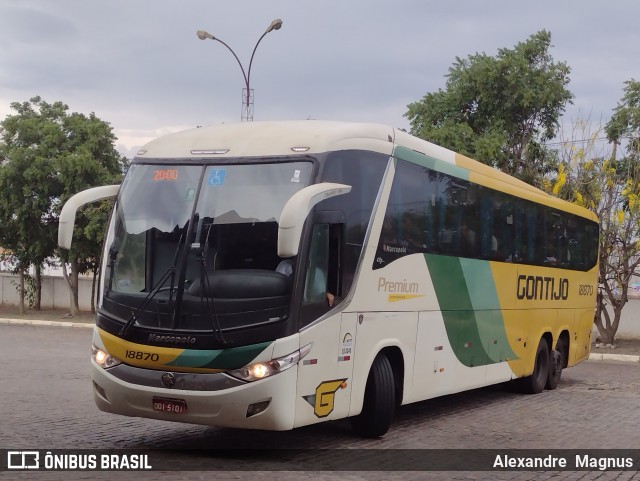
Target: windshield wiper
[[204, 277], [183, 271], [157, 288]]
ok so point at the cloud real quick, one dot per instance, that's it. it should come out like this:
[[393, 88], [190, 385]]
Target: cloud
[[140, 66]]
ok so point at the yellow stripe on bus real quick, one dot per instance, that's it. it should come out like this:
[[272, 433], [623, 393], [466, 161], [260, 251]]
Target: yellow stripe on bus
[[150, 357]]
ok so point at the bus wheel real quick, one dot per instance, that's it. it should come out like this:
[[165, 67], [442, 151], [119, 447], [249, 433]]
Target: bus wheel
[[535, 383], [379, 401], [555, 367]]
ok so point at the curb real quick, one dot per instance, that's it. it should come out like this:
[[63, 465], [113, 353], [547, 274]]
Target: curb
[[613, 357], [34, 322]]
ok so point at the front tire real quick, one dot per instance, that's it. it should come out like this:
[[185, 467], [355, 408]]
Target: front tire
[[536, 382], [379, 400]]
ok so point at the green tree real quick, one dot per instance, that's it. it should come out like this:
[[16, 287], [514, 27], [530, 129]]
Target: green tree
[[499, 110], [91, 160], [625, 121], [85, 253], [28, 185], [48, 155]]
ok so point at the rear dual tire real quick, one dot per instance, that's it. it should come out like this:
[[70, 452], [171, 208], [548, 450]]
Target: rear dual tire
[[536, 382], [556, 361], [546, 370]]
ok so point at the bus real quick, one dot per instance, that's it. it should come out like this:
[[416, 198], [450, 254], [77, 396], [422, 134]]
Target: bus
[[271, 275]]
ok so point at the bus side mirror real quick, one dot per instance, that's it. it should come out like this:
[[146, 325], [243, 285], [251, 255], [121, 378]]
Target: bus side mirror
[[68, 213], [297, 209]]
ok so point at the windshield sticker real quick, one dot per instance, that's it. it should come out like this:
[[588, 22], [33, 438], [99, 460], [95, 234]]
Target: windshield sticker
[[296, 177], [217, 176], [191, 194]]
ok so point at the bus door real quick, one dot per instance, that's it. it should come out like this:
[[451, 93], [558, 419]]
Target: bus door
[[324, 375]]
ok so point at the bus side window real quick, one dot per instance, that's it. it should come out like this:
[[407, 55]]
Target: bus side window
[[409, 225], [334, 270], [551, 227], [317, 274], [325, 277]]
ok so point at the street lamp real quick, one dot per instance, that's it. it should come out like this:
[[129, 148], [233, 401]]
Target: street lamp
[[247, 92]]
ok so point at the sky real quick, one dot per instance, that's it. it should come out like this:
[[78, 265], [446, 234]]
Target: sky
[[139, 65]]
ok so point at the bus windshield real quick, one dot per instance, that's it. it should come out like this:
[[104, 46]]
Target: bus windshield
[[200, 233]]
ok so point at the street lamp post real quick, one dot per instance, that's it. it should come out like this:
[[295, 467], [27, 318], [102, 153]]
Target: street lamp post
[[247, 91]]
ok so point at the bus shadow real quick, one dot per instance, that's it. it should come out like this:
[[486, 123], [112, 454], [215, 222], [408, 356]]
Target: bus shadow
[[329, 435]]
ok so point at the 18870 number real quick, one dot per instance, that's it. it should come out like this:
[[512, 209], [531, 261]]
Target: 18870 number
[[142, 356]]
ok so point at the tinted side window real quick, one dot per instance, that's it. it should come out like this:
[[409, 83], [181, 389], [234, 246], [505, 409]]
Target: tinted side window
[[410, 223], [438, 213], [316, 285], [497, 220], [363, 171]]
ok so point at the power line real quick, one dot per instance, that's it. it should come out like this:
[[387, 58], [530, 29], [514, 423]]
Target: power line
[[597, 139]]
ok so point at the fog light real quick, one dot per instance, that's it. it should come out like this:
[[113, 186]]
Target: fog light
[[257, 408], [100, 391]]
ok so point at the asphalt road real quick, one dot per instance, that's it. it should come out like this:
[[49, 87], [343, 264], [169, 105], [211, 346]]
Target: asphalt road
[[46, 403]]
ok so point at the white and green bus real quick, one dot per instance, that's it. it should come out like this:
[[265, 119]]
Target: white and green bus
[[272, 275]]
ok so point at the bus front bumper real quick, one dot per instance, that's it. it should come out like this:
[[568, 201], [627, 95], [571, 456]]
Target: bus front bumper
[[265, 404]]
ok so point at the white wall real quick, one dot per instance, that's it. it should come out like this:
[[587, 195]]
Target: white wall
[[629, 327], [55, 291]]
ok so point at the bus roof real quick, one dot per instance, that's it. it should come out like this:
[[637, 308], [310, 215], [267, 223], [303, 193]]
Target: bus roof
[[280, 138], [270, 139]]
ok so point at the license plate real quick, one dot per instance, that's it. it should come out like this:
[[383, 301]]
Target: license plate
[[168, 405]]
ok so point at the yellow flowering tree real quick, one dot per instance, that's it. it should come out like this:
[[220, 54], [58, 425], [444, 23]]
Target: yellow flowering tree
[[623, 242], [619, 242], [600, 169]]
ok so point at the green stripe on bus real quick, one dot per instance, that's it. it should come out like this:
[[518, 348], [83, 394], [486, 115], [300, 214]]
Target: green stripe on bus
[[482, 292], [232, 358], [430, 162], [195, 358], [238, 357], [457, 310], [484, 299]]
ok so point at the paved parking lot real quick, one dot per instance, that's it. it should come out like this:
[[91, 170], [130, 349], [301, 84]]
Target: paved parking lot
[[47, 404]]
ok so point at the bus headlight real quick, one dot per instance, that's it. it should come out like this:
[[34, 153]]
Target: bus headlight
[[102, 358], [260, 370]]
